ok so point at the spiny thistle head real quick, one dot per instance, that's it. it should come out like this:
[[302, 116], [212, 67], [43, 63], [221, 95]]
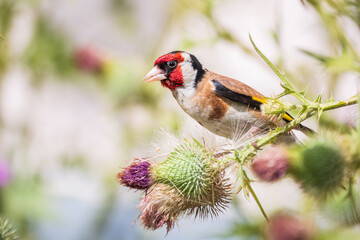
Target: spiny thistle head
[[188, 182], [271, 164], [7, 231], [190, 169], [136, 175], [319, 166]]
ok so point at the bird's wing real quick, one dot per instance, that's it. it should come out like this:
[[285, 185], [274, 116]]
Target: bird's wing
[[239, 92]]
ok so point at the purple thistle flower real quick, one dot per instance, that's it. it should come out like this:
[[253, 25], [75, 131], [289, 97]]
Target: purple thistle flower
[[4, 174], [271, 164], [136, 175]]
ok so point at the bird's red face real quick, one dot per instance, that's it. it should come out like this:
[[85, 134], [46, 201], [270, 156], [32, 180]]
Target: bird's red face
[[167, 69]]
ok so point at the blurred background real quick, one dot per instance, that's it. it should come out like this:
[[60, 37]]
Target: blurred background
[[74, 108]]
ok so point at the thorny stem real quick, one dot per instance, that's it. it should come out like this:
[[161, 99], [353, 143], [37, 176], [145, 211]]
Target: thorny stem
[[250, 151], [246, 154]]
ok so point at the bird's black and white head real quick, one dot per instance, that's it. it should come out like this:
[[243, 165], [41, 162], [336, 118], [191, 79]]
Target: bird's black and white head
[[176, 69]]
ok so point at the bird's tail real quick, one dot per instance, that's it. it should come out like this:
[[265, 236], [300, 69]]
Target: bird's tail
[[306, 130]]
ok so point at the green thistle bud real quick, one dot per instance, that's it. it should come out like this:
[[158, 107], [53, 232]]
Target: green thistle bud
[[319, 167], [190, 169]]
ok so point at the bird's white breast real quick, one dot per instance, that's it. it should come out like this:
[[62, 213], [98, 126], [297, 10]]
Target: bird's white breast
[[237, 118]]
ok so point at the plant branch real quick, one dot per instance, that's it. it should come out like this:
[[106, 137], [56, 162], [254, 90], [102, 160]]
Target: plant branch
[[307, 108]]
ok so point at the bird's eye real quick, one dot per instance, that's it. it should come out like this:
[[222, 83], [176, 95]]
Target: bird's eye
[[172, 64]]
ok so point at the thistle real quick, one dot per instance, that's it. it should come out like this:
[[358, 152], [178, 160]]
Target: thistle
[[319, 167], [189, 181], [190, 169], [271, 164]]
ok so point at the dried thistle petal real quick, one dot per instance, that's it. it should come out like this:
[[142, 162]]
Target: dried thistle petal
[[156, 207], [163, 204], [136, 175]]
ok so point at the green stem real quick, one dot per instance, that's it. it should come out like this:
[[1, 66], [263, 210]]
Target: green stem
[[253, 194], [330, 106], [246, 185], [258, 202]]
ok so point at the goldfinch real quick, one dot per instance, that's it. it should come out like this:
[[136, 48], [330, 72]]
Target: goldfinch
[[218, 103]]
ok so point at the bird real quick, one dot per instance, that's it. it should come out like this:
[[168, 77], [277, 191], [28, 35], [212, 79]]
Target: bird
[[221, 104]]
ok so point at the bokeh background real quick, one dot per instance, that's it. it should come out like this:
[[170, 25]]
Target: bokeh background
[[74, 108]]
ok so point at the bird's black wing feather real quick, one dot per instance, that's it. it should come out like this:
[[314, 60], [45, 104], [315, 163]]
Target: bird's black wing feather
[[225, 92]]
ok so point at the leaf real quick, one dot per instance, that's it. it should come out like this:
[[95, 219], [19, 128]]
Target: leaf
[[320, 58], [278, 73]]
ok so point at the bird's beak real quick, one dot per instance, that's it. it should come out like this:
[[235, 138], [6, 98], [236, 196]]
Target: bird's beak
[[156, 74]]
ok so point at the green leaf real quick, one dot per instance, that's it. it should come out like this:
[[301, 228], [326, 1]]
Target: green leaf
[[320, 58], [278, 73]]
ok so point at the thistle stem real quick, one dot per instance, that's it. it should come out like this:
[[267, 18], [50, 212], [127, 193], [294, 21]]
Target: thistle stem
[[253, 194], [339, 104]]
